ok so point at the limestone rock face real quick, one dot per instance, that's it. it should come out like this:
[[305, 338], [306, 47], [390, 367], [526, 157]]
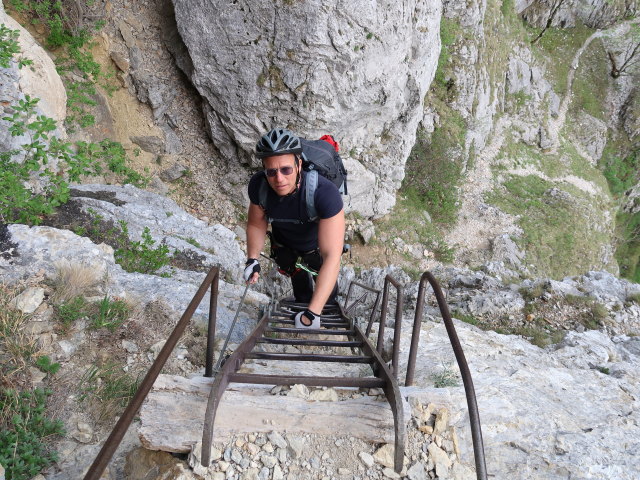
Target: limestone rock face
[[358, 70], [592, 13]]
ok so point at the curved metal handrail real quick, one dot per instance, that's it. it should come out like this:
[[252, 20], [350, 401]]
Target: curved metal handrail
[[115, 438], [474, 417]]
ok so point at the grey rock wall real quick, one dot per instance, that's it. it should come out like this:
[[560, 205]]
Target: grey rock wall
[[356, 69]]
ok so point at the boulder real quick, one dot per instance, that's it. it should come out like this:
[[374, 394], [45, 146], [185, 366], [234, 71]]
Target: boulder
[[167, 223], [40, 79], [311, 66]]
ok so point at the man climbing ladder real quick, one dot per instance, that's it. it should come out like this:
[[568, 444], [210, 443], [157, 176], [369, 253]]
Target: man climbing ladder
[[300, 242]]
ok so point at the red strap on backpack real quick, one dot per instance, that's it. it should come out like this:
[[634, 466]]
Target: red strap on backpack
[[329, 139]]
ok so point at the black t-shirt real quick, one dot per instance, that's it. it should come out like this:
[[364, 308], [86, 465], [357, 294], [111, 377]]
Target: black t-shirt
[[302, 237]]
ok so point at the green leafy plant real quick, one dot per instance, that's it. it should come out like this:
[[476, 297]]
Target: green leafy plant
[[140, 256], [433, 173], [17, 346], [193, 242], [9, 47], [45, 364], [23, 429]]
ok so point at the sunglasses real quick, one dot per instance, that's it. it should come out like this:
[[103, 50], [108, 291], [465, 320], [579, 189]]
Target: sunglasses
[[272, 172]]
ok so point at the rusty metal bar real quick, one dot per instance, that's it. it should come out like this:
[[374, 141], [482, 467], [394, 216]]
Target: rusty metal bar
[[211, 332], [310, 343], [310, 357], [310, 331], [389, 280], [362, 382], [348, 309], [383, 319], [122, 425], [233, 364], [474, 416], [394, 398], [332, 323]]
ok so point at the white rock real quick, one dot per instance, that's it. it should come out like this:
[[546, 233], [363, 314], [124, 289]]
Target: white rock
[[328, 395], [276, 439], [277, 473], [29, 299], [367, 459], [440, 458], [299, 390], [385, 455], [389, 473], [129, 346], [442, 421], [417, 472], [368, 89], [296, 446]]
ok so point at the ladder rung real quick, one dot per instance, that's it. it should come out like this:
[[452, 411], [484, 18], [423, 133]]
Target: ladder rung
[[312, 343], [323, 322], [364, 382], [316, 331], [307, 357]]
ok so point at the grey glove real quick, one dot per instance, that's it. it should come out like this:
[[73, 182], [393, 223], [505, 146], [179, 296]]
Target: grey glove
[[309, 316], [250, 267]]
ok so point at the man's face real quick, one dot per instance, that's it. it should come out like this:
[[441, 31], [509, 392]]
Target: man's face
[[282, 184]]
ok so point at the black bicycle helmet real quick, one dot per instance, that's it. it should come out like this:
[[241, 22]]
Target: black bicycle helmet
[[278, 141]]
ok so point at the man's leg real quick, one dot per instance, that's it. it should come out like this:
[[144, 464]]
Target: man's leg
[[286, 259], [314, 261]]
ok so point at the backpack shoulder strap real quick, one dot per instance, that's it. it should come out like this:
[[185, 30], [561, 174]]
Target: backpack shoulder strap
[[311, 186], [262, 197]]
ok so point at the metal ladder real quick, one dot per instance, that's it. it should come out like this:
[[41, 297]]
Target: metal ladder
[[336, 323]]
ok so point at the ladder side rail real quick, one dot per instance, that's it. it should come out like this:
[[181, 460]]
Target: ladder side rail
[[232, 365], [472, 405], [389, 280], [122, 425]]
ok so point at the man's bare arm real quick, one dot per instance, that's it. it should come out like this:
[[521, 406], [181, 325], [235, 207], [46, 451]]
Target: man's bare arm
[[330, 243], [256, 234]]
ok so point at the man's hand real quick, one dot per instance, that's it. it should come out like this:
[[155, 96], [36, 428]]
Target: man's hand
[[251, 271], [307, 319]]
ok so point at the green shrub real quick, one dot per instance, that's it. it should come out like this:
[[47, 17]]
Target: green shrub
[[449, 30], [622, 173], [140, 256], [23, 429], [558, 233]]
